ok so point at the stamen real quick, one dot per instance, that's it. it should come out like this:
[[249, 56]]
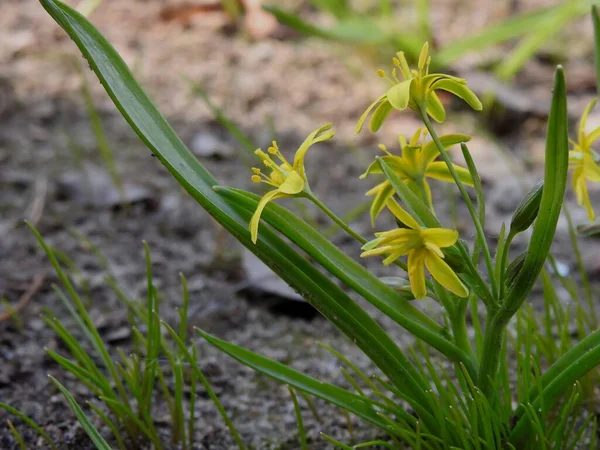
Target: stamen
[[256, 170], [255, 178], [423, 56], [383, 148]]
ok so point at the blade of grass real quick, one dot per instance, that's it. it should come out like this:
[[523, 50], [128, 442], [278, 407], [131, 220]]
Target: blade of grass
[[83, 419]]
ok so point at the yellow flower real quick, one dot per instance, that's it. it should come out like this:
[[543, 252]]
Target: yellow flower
[[416, 91], [582, 159], [423, 247], [288, 179], [415, 164]]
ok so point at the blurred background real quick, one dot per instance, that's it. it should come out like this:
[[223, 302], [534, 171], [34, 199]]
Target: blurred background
[[230, 77]]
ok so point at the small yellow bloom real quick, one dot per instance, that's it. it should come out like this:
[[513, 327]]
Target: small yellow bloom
[[415, 164], [423, 247], [288, 179], [416, 90], [583, 160]]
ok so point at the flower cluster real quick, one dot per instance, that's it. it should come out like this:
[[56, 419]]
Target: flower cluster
[[414, 165]]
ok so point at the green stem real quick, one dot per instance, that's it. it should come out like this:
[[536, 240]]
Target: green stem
[[490, 359], [343, 225], [458, 322], [461, 187]]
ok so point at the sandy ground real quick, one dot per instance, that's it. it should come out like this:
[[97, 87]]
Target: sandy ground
[[291, 84]]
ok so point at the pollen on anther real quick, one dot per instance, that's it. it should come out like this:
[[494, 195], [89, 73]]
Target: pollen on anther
[[381, 73], [255, 178], [256, 170]]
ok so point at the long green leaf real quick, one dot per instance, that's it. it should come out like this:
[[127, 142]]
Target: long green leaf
[[88, 427], [357, 31], [331, 393], [495, 34], [29, 422], [555, 176], [596, 22], [157, 134]]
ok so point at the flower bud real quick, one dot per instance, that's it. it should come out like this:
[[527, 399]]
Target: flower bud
[[527, 210], [514, 268]]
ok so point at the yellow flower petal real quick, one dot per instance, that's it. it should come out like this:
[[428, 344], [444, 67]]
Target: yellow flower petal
[[268, 197], [441, 237], [435, 108], [583, 120], [383, 193], [363, 117], [429, 151], [376, 251], [460, 90], [592, 137], [416, 272], [402, 215], [293, 184], [581, 191], [321, 134], [444, 274], [397, 164], [380, 114], [591, 170], [439, 170], [399, 94]]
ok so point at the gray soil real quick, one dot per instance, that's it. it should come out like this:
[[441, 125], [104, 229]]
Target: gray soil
[[296, 86]]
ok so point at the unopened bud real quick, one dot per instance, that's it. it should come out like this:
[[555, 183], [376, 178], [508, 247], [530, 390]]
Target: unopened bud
[[527, 210]]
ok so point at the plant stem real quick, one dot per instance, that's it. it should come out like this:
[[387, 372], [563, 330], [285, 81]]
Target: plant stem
[[467, 199], [343, 225], [458, 322], [490, 359]]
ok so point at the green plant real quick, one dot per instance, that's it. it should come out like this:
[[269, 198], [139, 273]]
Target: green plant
[[381, 32], [415, 400]]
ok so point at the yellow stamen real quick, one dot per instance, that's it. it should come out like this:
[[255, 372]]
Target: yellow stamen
[[255, 178]]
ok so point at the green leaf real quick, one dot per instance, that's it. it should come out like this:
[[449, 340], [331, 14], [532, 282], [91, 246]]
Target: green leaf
[[503, 31], [157, 134], [555, 176], [596, 22], [30, 423], [83, 419], [354, 31], [354, 403], [545, 29]]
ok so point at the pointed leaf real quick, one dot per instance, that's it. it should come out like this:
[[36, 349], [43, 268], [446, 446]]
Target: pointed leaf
[[331, 393]]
